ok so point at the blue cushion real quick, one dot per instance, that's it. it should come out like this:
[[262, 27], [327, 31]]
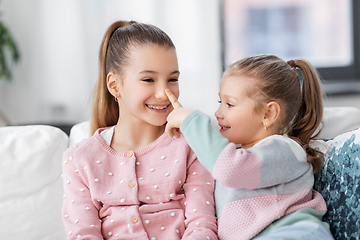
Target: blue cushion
[[339, 183]]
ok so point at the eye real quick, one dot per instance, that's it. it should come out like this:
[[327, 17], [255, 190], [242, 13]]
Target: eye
[[147, 80], [173, 80], [229, 105]]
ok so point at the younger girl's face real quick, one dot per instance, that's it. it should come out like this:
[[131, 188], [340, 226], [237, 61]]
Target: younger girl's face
[[236, 116], [151, 70]]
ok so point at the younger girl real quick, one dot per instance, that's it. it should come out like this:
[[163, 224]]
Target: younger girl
[[261, 159], [130, 180]]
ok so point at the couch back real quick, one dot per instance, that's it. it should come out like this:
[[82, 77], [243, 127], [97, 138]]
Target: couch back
[[31, 187]]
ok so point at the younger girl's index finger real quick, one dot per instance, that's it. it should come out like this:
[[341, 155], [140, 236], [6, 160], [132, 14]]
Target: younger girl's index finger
[[174, 101]]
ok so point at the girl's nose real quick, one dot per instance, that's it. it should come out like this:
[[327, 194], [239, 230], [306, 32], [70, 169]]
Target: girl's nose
[[160, 92], [218, 114]]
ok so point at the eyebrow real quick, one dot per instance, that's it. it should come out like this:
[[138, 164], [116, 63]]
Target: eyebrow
[[228, 96], [154, 72]]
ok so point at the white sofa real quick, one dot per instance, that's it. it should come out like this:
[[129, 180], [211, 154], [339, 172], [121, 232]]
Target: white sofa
[[31, 187]]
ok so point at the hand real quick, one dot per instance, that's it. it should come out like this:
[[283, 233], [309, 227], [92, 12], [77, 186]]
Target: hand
[[176, 117]]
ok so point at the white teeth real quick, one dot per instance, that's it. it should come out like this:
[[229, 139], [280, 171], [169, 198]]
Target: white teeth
[[157, 107], [225, 128]]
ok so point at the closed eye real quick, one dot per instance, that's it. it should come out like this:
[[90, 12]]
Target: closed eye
[[229, 105], [173, 80], [147, 80]]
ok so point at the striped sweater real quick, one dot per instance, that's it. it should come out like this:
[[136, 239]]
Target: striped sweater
[[255, 186]]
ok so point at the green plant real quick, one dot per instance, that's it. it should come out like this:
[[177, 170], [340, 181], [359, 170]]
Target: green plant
[[8, 52]]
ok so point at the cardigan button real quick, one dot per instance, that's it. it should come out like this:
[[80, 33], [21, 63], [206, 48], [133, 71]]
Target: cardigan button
[[129, 154], [134, 219], [132, 184]]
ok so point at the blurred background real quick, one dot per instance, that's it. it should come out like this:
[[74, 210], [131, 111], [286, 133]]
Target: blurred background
[[58, 43]]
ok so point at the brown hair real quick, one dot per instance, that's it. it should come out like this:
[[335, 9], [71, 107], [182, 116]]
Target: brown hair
[[300, 99], [113, 55]]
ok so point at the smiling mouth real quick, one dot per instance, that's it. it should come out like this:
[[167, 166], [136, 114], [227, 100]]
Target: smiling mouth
[[223, 128], [157, 107]]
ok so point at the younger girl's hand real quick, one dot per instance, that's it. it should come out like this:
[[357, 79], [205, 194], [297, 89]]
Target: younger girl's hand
[[176, 117]]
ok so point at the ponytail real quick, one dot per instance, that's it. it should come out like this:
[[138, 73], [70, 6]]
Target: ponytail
[[114, 51], [300, 101], [105, 111], [310, 114]]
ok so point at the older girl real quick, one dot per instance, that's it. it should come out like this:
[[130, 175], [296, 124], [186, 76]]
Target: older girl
[[261, 159], [130, 180]]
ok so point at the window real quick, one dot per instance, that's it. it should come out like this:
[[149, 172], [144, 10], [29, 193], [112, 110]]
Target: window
[[325, 32]]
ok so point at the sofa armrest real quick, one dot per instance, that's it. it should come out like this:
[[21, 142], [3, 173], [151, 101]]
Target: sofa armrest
[[30, 183]]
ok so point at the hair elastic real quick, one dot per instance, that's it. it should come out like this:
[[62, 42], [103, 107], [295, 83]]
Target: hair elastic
[[292, 63]]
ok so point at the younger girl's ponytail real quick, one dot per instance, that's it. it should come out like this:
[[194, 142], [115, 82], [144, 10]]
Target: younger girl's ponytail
[[300, 100], [306, 124]]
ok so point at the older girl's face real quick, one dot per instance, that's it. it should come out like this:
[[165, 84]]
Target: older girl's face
[[151, 70]]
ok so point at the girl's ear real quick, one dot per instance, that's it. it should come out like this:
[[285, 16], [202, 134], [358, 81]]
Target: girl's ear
[[113, 84], [272, 113]]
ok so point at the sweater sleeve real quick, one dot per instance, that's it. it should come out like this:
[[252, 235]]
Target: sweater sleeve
[[80, 214], [272, 161], [200, 220], [203, 138], [231, 168]]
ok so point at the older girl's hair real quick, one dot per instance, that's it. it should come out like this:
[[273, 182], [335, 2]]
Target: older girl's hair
[[113, 55], [300, 99]]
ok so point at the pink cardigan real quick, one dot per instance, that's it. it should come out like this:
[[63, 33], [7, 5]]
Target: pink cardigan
[[159, 192]]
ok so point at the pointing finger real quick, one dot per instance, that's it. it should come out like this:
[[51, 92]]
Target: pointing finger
[[174, 101]]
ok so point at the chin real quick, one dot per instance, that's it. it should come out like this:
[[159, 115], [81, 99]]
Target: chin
[[223, 134], [158, 124], [230, 140]]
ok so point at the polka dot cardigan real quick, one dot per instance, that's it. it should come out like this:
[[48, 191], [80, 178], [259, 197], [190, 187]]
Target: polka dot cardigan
[[159, 192]]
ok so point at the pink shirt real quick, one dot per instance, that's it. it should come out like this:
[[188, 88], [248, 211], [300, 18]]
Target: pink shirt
[[159, 192]]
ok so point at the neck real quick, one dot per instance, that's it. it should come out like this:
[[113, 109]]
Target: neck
[[262, 134], [134, 136]]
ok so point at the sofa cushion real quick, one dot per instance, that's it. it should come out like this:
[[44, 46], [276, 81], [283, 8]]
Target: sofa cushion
[[30, 183], [79, 132], [339, 183], [339, 120]]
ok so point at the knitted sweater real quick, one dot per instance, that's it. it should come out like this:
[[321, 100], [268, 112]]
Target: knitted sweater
[[159, 192], [255, 186]]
